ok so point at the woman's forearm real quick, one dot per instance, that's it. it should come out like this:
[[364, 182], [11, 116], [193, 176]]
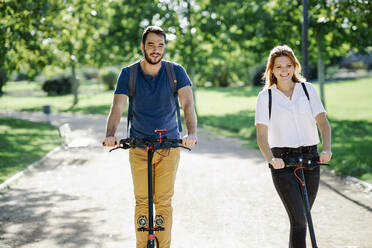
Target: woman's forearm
[[263, 144], [325, 131]]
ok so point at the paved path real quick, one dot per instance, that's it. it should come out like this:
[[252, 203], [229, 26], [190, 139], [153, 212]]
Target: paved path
[[224, 197]]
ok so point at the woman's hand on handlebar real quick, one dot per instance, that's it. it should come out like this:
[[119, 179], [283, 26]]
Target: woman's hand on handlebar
[[277, 163], [110, 141], [189, 140], [325, 156]]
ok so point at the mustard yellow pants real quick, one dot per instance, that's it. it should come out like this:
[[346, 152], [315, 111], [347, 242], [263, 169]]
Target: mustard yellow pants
[[165, 164]]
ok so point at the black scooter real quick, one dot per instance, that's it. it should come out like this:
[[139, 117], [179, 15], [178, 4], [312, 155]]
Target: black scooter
[[301, 164], [151, 145]]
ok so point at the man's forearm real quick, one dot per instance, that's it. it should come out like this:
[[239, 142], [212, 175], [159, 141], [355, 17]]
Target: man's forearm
[[190, 118], [112, 124], [116, 111], [113, 121]]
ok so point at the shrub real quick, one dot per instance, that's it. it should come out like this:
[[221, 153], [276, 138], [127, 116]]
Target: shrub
[[90, 73], [109, 77], [58, 86], [257, 76]]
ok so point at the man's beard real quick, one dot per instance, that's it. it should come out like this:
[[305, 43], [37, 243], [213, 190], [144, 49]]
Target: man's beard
[[150, 60]]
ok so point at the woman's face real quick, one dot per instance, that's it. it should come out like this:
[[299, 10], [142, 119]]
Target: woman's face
[[283, 69]]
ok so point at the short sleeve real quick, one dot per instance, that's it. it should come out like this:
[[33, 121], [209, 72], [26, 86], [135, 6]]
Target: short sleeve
[[262, 108], [122, 86], [315, 102], [182, 77]]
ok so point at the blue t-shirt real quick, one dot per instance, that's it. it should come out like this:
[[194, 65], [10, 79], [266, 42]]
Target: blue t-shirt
[[153, 103]]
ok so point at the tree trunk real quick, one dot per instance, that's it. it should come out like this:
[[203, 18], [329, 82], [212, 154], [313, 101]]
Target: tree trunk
[[74, 83], [3, 79], [73, 74], [191, 56], [321, 75], [305, 25]]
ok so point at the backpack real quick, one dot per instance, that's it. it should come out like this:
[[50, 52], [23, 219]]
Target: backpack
[[172, 79], [270, 97]]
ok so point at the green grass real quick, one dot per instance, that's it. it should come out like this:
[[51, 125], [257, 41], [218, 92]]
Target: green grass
[[22, 143], [92, 100], [349, 100], [231, 111]]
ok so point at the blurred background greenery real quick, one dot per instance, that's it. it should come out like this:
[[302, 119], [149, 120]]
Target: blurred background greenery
[[68, 54], [220, 43]]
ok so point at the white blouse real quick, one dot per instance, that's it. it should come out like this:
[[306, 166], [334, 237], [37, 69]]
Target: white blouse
[[292, 122]]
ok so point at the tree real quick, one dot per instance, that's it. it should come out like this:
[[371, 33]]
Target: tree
[[338, 26], [125, 23], [19, 36], [74, 33]]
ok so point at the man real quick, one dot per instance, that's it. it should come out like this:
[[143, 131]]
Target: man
[[153, 107]]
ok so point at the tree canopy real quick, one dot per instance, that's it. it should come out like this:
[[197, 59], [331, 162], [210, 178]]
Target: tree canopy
[[218, 41]]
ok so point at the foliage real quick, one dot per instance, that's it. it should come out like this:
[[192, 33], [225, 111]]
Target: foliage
[[258, 76], [90, 73], [21, 25], [58, 86], [109, 77], [216, 41]]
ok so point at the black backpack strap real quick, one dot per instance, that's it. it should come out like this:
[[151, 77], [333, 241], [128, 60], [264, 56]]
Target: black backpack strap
[[171, 76], [169, 67], [305, 90], [133, 71], [270, 102]]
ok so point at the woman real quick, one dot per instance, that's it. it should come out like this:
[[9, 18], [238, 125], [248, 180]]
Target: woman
[[286, 127]]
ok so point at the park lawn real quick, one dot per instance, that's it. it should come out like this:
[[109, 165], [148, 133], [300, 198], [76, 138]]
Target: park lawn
[[231, 112], [22, 143], [92, 100]]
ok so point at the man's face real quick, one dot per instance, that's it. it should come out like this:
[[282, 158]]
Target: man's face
[[153, 48]]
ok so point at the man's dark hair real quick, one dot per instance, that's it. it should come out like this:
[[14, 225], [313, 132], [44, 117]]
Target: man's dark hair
[[153, 29]]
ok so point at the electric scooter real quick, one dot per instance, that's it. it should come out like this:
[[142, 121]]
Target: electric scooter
[[301, 164], [151, 145]]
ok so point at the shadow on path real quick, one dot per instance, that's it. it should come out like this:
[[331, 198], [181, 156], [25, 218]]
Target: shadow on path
[[368, 208], [27, 216]]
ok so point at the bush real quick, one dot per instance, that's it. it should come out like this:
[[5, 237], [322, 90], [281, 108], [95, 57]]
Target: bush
[[90, 73], [257, 77], [58, 86], [109, 77]]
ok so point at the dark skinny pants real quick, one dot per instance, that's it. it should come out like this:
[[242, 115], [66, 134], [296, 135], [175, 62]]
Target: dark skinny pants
[[289, 190]]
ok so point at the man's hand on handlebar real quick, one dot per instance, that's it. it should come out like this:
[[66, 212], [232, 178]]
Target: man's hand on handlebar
[[110, 141], [189, 140], [277, 163]]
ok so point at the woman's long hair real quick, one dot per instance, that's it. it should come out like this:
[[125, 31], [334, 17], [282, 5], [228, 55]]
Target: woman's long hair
[[279, 51]]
